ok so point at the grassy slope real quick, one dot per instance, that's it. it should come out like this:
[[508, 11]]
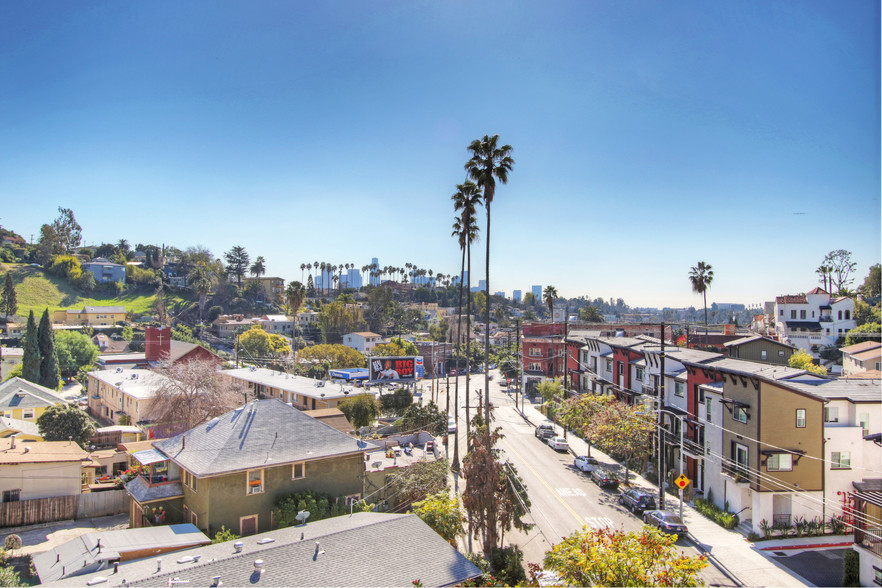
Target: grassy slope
[[36, 290]]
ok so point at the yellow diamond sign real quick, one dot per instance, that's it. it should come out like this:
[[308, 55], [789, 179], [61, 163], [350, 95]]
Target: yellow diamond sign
[[682, 482]]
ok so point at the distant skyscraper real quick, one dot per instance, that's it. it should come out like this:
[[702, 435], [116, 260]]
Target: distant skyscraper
[[482, 284], [516, 295], [501, 294], [375, 280], [537, 292], [353, 279], [465, 277]]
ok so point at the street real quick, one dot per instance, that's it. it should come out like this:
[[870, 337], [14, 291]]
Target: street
[[563, 498]]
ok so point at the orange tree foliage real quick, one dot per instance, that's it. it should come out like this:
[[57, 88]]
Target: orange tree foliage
[[607, 557]]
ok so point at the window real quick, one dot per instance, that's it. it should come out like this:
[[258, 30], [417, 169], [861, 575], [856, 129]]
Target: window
[[779, 462], [831, 414], [740, 414], [609, 365], [840, 315], [189, 480], [298, 471], [535, 367], [847, 315], [11, 495], [255, 482], [800, 418], [708, 402], [741, 458], [865, 423], [793, 314], [621, 368], [679, 389], [535, 352], [877, 576], [841, 460], [100, 470], [802, 314], [781, 353], [764, 355], [639, 374]]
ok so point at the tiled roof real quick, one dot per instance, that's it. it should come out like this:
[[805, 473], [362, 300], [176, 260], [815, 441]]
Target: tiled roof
[[797, 299], [818, 291], [259, 433], [862, 346], [365, 549], [142, 492]]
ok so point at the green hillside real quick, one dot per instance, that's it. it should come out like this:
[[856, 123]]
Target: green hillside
[[36, 290]]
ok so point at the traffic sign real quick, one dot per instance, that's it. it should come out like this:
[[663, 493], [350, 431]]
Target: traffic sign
[[682, 482]]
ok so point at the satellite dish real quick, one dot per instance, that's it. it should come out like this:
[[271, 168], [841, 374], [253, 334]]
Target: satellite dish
[[302, 516]]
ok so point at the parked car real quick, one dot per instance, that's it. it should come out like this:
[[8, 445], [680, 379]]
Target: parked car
[[604, 478], [558, 444], [544, 431], [585, 463], [452, 372], [636, 500], [666, 521], [451, 425]]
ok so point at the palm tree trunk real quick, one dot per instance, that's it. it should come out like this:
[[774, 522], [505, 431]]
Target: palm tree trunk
[[468, 330], [705, 318], [487, 327], [455, 465]]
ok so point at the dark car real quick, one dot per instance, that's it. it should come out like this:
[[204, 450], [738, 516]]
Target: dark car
[[666, 521], [637, 500], [604, 478]]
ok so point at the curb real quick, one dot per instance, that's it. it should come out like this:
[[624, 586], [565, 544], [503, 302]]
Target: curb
[[807, 546]]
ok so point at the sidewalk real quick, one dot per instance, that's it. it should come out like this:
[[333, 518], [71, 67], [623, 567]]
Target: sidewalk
[[728, 550]]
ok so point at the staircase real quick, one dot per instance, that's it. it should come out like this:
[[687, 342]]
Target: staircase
[[745, 527]]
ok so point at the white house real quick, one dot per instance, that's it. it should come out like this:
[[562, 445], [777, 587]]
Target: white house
[[862, 357], [277, 324], [362, 342], [40, 470], [814, 320]]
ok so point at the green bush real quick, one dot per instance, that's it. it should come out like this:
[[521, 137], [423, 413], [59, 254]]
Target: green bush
[[851, 568], [725, 519], [224, 535], [318, 504]]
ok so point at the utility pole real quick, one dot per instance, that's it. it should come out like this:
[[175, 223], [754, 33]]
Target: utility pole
[[566, 393], [518, 361], [661, 405]]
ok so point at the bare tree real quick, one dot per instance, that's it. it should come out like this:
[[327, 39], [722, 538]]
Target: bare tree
[[192, 393]]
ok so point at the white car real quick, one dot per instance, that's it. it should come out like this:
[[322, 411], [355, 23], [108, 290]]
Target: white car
[[451, 425], [585, 463], [558, 444]]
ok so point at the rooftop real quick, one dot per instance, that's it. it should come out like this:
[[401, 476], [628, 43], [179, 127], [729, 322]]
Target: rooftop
[[261, 433], [364, 549], [855, 390], [751, 339], [137, 383], [40, 452], [290, 383], [862, 346], [20, 393]]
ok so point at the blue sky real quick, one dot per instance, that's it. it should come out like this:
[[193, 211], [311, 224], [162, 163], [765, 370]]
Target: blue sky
[[646, 136]]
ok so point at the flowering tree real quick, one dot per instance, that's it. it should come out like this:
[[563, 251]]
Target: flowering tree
[[443, 514], [623, 430], [579, 413], [607, 557]]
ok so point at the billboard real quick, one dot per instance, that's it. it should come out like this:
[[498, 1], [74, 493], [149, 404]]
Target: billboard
[[402, 369]]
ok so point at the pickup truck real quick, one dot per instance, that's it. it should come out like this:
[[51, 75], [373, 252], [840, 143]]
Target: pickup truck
[[544, 431]]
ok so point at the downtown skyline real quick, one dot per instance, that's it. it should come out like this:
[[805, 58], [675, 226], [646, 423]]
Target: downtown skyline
[[645, 138]]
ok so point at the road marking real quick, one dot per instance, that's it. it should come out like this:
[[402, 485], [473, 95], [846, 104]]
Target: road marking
[[599, 522], [541, 479], [570, 491]]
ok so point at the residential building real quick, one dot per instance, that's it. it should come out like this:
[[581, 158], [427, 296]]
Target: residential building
[[99, 550], [159, 347], [306, 318], [227, 325], [10, 358], [386, 460], [301, 392], [92, 316], [105, 271], [22, 430], [273, 287], [332, 417], [40, 470], [12, 330], [867, 501], [365, 549], [122, 394], [26, 401], [862, 357], [759, 348], [363, 342], [230, 471], [814, 320]]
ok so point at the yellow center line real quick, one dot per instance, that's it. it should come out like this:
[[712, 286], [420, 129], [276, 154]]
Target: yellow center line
[[554, 493]]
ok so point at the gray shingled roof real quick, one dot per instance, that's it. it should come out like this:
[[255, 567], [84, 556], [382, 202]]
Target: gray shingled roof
[[365, 549], [262, 433], [841, 389], [19, 393], [142, 492]]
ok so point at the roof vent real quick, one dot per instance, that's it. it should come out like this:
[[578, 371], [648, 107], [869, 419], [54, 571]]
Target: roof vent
[[266, 540], [96, 580], [238, 545], [258, 566]]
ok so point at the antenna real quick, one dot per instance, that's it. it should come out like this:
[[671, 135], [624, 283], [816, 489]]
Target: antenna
[[302, 516]]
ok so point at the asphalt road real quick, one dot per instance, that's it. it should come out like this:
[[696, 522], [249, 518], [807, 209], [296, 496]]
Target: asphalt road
[[563, 498]]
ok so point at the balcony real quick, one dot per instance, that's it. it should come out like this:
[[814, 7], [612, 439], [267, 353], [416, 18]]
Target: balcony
[[869, 538], [738, 473], [690, 447], [650, 390]]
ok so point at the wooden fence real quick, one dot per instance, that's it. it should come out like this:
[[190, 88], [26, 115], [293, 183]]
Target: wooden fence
[[62, 508]]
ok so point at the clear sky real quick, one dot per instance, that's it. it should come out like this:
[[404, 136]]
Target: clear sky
[[647, 136]]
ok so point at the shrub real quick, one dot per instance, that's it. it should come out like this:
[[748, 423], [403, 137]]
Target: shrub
[[318, 504], [721, 517], [837, 525], [224, 535], [851, 568], [753, 537]]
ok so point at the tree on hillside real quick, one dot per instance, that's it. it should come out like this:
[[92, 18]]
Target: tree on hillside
[[257, 344], [801, 360], [50, 374], [295, 294], [361, 410], [30, 362], [590, 314], [841, 267], [701, 277], [237, 263], [189, 394], [396, 347], [336, 319], [489, 162], [443, 514], [865, 332], [872, 285], [258, 268], [65, 421], [608, 557], [420, 480], [8, 299], [201, 279], [67, 230], [336, 356]]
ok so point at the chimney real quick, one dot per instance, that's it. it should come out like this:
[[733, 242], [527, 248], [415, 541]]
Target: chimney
[[183, 441], [157, 343]]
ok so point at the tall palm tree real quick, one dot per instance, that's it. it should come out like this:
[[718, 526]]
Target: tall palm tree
[[302, 267], [295, 294], [488, 163], [201, 279], [549, 295], [465, 201], [701, 277], [258, 268]]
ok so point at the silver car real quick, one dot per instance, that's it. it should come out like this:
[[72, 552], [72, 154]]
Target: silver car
[[585, 463]]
